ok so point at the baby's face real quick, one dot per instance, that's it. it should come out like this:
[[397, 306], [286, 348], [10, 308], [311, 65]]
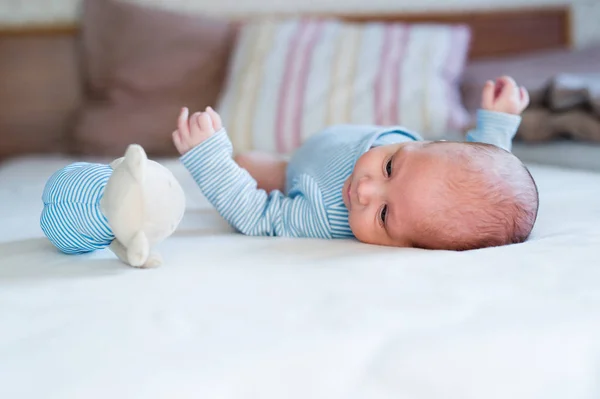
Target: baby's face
[[391, 186]]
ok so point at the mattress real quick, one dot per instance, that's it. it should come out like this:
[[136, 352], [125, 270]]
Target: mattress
[[229, 316], [563, 153]]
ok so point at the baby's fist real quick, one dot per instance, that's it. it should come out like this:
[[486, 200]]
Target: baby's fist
[[194, 130], [504, 96]]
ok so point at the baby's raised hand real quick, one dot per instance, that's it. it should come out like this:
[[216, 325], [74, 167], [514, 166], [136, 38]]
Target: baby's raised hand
[[192, 131], [504, 95]]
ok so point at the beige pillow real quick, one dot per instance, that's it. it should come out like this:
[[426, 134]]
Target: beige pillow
[[290, 78], [141, 66]]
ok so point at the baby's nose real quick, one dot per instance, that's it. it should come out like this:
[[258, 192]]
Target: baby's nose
[[366, 190]]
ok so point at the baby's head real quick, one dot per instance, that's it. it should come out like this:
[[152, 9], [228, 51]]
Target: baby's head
[[440, 195]]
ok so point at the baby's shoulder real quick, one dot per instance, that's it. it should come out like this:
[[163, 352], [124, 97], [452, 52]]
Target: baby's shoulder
[[328, 156], [334, 139], [343, 133], [325, 144]]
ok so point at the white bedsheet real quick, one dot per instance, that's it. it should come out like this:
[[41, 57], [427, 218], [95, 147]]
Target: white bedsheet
[[229, 316], [566, 154]]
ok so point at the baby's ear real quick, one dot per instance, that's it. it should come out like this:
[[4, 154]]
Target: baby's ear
[[135, 160]]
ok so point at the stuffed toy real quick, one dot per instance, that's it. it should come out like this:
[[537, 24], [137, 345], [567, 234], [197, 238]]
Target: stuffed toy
[[129, 206]]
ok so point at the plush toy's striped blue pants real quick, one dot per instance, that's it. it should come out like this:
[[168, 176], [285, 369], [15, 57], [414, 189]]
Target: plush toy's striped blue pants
[[72, 219]]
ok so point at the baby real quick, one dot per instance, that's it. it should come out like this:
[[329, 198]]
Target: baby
[[381, 185]]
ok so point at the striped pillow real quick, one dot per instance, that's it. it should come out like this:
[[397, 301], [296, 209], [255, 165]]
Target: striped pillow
[[289, 79]]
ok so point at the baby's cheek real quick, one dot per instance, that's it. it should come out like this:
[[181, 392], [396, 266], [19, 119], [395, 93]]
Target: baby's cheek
[[353, 220], [361, 228]]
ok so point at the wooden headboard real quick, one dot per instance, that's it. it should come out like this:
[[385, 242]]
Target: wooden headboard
[[502, 32], [495, 32]]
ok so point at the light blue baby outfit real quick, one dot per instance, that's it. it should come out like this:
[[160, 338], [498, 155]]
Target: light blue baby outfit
[[312, 204]]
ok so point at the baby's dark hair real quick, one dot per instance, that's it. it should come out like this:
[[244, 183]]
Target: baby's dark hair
[[492, 201]]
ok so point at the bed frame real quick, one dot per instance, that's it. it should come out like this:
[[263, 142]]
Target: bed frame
[[495, 32], [501, 32]]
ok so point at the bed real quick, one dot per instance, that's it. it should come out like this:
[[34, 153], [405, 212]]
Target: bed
[[237, 317], [229, 316]]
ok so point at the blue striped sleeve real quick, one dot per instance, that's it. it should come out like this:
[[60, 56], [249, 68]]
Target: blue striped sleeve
[[496, 128], [251, 211]]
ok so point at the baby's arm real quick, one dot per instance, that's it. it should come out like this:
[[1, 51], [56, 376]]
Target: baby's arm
[[500, 113], [495, 128], [268, 170], [233, 191]]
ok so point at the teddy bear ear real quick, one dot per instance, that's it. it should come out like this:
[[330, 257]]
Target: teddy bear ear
[[116, 163], [135, 160]]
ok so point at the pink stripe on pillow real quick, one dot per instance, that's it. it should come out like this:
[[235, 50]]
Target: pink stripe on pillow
[[302, 77], [284, 89], [402, 38], [380, 78], [459, 43]]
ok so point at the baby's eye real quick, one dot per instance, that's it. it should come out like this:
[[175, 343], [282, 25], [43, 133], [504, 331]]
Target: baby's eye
[[383, 214], [388, 168]]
